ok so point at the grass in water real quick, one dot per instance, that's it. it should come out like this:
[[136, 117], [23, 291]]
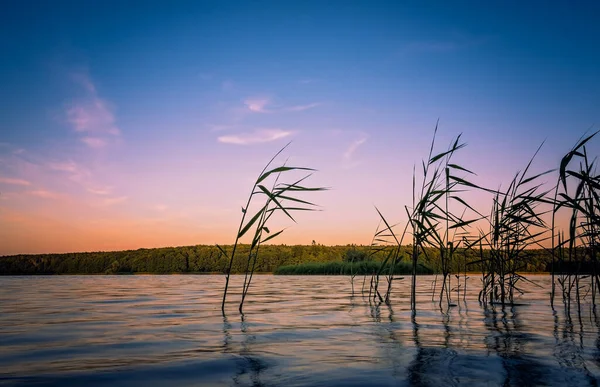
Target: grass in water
[[281, 197], [437, 222], [574, 253], [515, 226], [433, 220]]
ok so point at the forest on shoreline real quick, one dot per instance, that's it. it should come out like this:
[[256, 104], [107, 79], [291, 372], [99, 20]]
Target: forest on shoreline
[[208, 259]]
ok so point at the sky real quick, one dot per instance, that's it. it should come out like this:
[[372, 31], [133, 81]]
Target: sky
[[144, 124]]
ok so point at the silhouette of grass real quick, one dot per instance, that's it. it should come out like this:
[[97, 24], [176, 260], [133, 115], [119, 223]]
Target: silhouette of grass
[[431, 222], [275, 200]]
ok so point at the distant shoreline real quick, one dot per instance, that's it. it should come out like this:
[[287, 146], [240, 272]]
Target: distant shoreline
[[240, 274], [208, 259]]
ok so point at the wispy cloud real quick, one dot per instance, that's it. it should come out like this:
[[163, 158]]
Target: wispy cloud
[[258, 105], [100, 191], [75, 171], [92, 116], [45, 194], [255, 137], [348, 156], [265, 105], [66, 166], [300, 108], [94, 142], [11, 181], [83, 80], [353, 147]]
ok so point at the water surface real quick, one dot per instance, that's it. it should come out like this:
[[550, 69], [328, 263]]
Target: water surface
[[295, 331]]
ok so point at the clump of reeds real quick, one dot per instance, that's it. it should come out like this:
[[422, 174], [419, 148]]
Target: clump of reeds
[[515, 224], [575, 253], [280, 197], [432, 221]]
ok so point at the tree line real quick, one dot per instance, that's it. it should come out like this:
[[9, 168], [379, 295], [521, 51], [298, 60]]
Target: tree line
[[209, 259]]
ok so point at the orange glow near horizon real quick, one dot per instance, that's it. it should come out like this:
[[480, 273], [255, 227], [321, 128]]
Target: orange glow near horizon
[[65, 224]]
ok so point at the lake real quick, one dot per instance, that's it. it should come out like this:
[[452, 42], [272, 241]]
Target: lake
[[295, 331]]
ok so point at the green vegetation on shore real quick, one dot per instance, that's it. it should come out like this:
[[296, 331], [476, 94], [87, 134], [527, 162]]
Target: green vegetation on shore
[[208, 259], [346, 268]]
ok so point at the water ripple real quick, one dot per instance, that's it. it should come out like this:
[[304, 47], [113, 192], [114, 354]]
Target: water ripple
[[295, 331]]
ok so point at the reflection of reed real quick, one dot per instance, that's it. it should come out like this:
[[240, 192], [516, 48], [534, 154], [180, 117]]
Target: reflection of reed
[[463, 314], [596, 356], [569, 345], [375, 310], [226, 335], [247, 364], [432, 366], [387, 339], [415, 369], [254, 364], [506, 339]]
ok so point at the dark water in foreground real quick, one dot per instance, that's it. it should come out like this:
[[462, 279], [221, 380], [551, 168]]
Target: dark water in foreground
[[296, 331]]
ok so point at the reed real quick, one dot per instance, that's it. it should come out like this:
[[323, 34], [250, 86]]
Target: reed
[[439, 220], [516, 225], [274, 200], [433, 220], [578, 194]]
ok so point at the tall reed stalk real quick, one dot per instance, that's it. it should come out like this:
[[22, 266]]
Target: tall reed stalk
[[275, 200]]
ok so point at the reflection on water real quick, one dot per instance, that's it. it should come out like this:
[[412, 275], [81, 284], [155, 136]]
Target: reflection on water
[[311, 331]]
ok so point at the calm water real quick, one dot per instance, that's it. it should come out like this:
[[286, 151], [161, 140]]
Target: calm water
[[296, 331]]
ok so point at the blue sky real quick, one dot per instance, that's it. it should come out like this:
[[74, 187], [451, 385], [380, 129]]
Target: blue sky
[[141, 124]]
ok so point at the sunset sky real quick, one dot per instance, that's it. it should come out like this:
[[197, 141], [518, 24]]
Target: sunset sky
[[143, 124]]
